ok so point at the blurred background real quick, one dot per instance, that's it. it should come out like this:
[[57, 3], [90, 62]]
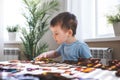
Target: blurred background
[[93, 25]]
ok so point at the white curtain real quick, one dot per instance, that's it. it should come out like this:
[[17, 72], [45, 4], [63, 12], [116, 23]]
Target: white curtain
[[1, 30], [82, 9]]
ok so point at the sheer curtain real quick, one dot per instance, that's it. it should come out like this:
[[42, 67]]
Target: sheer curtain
[[83, 10], [1, 29]]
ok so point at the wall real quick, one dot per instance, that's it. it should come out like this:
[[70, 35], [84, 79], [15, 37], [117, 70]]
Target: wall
[[113, 44], [1, 28]]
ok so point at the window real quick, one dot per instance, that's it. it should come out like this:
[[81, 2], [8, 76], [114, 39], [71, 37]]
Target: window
[[85, 13], [12, 15], [91, 14], [104, 7]]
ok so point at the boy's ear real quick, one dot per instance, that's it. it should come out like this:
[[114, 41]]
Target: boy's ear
[[70, 32]]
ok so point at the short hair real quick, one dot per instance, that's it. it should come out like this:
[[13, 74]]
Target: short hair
[[66, 20]]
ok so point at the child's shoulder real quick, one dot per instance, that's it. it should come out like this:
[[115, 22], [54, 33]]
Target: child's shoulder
[[76, 43], [81, 43]]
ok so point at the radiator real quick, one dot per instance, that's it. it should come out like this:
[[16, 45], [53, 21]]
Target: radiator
[[11, 54], [105, 54]]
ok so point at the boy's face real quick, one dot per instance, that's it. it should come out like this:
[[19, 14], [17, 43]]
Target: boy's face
[[59, 34]]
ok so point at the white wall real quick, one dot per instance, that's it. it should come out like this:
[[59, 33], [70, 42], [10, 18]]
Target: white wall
[[1, 29]]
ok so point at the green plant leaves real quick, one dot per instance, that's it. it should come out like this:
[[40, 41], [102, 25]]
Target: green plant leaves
[[114, 18], [37, 16], [13, 28]]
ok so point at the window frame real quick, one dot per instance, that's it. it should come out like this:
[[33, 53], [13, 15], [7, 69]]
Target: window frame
[[108, 34]]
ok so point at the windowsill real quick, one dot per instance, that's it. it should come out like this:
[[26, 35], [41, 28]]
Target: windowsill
[[12, 42], [103, 39], [86, 40]]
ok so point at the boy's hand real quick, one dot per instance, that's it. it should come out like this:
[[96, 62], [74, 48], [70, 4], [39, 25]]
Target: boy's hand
[[43, 55], [48, 54]]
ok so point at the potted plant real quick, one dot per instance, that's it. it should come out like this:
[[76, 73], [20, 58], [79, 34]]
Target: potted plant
[[114, 19], [37, 14], [12, 30]]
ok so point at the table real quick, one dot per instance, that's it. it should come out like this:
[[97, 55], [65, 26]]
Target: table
[[97, 74]]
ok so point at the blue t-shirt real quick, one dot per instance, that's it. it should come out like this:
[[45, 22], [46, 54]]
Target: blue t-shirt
[[74, 51]]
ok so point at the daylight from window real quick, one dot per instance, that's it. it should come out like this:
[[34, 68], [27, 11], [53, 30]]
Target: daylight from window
[[103, 8], [12, 15]]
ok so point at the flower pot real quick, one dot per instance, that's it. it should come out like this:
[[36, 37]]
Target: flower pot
[[116, 28], [12, 36]]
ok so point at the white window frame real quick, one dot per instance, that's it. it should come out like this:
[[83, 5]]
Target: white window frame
[[87, 17], [110, 32]]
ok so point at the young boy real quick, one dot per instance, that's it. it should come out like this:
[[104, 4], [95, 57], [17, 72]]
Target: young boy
[[63, 27]]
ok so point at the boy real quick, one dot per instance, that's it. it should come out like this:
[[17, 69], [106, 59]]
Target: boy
[[63, 27]]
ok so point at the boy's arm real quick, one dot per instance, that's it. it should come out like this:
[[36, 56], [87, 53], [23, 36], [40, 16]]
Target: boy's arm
[[49, 54]]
